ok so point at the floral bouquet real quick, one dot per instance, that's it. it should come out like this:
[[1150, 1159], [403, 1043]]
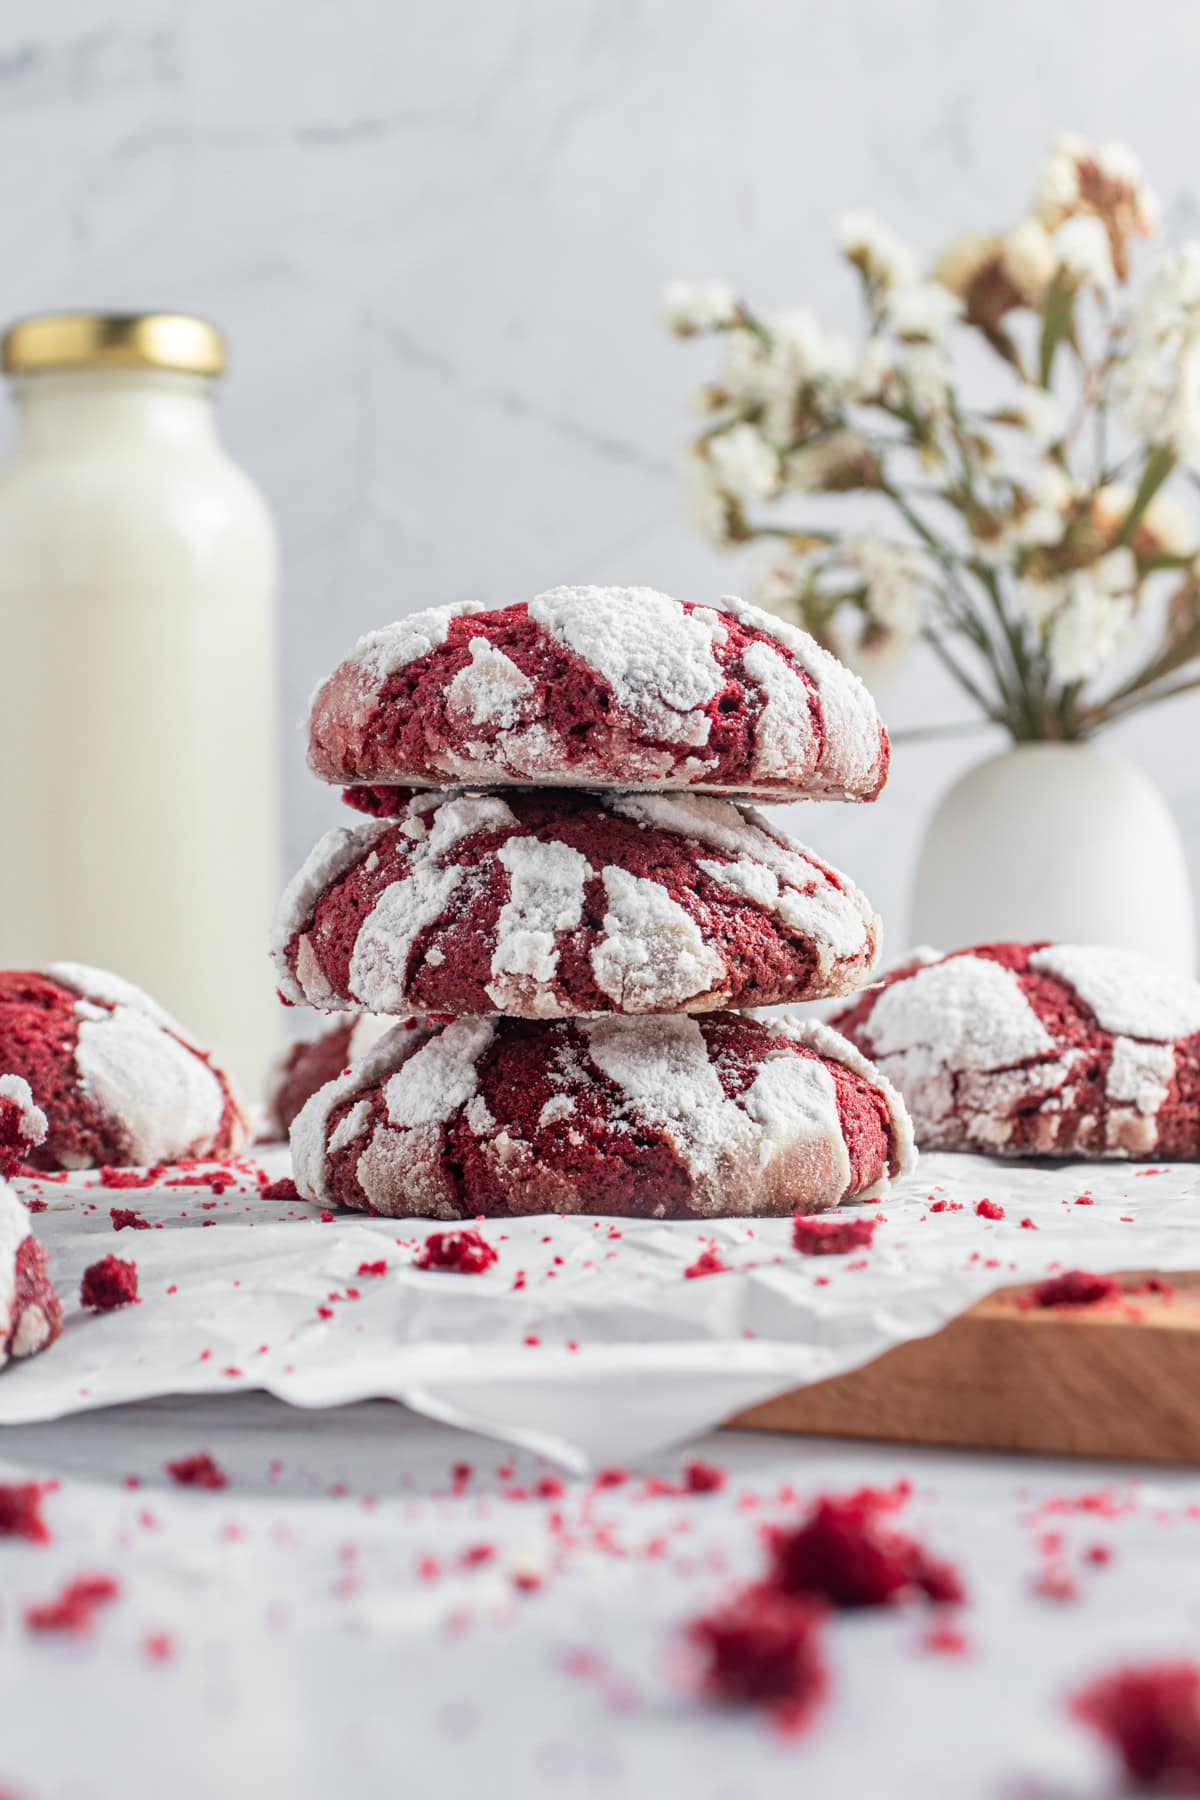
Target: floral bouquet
[[1039, 543]]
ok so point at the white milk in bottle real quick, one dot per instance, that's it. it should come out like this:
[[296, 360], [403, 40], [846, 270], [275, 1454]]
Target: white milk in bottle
[[137, 707]]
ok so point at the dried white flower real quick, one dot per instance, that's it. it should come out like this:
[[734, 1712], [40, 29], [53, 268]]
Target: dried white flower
[[1038, 520], [926, 374], [1040, 414], [922, 311], [1082, 251], [1159, 380], [1028, 259], [876, 370], [744, 465], [687, 307], [875, 250], [831, 464], [1085, 614], [705, 507], [1166, 528], [1108, 182], [894, 580], [1093, 618]]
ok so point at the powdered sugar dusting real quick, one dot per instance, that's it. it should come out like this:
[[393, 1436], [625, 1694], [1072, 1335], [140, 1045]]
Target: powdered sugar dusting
[[14, 1229], [31, 1120], [461, 817], [851, 752], [379, 962], [330, 858], [441, 1077], [546, 896], [351, 1126], [384, 652], [783, 732], [653, 953], [825, 1042], [657, 660], [491, 690], [1128, 993], [966, 1013], [662, 1067], [793, 1098], [106, 989], [769, 869], [166, 1100], [309, 1131]]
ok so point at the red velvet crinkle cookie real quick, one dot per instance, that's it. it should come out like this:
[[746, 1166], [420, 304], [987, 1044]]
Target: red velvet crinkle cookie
[[30, 1313], [548, 904], [304, 1067], [119, 1082], [664, 1117], [1039, 1050], [600, 687]]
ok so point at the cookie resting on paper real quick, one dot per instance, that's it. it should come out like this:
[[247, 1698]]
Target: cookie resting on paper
[[1039, 1050], [661, 1117], [30, 1313], [306, 1066], [600, 687], [549, 904], [119, 1082]]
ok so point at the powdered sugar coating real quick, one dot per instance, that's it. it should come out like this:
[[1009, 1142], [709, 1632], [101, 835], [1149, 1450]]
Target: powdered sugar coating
[[668, 1116], [652, 954], [23, 1124], [611, 687], [657, 660], [30, 1314], [337, 851], [1051, 1050], [550, 905], [1128, 993], [850, 715], [491, 690], [166, 1097]]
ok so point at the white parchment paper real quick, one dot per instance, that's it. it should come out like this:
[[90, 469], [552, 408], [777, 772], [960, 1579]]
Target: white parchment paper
[[586, 1341]]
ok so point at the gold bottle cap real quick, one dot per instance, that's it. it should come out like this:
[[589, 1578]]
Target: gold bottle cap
[[113, 341]]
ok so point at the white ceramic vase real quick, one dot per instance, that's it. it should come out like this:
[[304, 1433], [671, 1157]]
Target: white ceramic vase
[[1055, 841]]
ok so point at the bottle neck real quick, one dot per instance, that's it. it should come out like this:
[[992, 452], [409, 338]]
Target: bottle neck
[[74, 408]]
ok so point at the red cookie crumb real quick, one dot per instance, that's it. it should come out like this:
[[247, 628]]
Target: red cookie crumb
[[124, 1218], [197, 1471], [988, 1209], [831, 1237], [284, 1189], [707, 1263], [703, 1477], [21, 1512], [1150, 1717], [764, 1649], [456, 1253], [108, 1284], [75, 1607], [846, 1553], [1075, 1287]]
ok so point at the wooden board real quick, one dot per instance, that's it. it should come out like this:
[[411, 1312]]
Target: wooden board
[[1117, 1380]]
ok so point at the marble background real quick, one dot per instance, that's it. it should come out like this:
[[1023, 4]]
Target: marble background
[[436, 234]]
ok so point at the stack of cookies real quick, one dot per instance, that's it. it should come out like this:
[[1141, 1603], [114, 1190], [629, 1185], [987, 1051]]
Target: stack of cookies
[[562, 895]]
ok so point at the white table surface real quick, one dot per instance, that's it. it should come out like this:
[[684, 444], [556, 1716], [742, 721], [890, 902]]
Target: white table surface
[[311, 1656]]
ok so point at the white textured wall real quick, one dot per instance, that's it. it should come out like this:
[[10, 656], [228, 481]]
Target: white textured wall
[[435, 233]]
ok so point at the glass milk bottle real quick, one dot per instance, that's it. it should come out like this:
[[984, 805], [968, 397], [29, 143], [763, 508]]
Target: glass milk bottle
[[137, 708]]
